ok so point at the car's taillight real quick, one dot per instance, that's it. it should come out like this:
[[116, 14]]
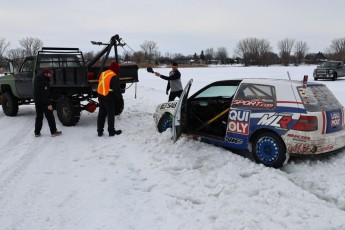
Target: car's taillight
[[306, 123]]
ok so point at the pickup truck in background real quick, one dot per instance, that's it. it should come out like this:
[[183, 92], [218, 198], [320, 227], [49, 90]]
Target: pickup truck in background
[[329, 70]]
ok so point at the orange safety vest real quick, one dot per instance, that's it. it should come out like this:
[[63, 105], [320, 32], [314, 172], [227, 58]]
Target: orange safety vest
[[104, 82]]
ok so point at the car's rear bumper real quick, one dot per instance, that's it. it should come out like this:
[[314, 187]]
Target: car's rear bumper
[[297, 143]]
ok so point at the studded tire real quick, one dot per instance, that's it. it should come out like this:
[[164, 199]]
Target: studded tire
[[269, 150], [165, 122]]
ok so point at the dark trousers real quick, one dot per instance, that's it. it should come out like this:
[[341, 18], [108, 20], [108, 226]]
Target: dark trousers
[[175, 94], [106, 109], [40, 110]]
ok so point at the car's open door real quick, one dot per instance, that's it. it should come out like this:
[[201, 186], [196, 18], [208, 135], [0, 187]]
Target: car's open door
[[176, 123]]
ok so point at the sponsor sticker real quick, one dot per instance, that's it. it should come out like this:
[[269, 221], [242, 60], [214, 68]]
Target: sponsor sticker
[[233, 140], [335, 119], [168, 105], [258, 104], [238, 121], [280, 121]]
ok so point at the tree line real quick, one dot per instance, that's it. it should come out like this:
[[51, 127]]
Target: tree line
[[248, 51]]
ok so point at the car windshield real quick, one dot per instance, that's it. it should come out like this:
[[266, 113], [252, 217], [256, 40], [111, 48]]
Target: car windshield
[[318, 98], [225, 91], [329, 64]]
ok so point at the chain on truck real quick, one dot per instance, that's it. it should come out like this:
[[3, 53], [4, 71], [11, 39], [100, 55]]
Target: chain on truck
[[74, 83]]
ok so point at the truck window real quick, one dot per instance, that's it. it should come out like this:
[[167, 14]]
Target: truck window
[[27, 66], [56, 62]]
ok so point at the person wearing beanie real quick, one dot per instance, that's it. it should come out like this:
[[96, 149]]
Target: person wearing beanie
[[108, 91], [43, 104], [174, 82]]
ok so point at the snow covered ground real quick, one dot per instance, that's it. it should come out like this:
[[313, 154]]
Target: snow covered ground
[[141, 180]]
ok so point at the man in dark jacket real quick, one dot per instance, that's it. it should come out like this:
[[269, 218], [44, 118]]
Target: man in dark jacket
[[43, 103], [108, 91], [174, 82]]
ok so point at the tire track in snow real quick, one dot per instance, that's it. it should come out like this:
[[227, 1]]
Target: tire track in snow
[[27, 152]]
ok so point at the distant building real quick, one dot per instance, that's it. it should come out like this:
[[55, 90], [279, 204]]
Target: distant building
[[315, 58]]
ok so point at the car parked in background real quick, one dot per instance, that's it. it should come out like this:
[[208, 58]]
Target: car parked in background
[[271, 118]]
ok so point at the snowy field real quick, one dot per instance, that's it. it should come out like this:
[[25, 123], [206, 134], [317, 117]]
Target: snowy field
[[141, 180]]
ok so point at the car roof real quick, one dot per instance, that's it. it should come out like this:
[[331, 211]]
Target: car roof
[[270, 81]]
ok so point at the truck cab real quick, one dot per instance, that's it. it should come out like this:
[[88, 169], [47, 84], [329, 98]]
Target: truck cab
[[329, 70]]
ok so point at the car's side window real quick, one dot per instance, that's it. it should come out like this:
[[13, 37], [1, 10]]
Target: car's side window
[[255, 96]]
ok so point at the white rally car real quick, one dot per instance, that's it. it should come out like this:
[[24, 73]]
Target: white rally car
[[272, 118]]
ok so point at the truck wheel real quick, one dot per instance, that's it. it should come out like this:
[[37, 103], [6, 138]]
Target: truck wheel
[[335, 76], [165, 122], [119, 105], [269, 149], [68, 111], [9, 104]]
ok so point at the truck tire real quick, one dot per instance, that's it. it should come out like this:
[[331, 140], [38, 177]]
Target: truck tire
[[119, 105], [9, 104], [335, 76], [68, 111], [269, 150]]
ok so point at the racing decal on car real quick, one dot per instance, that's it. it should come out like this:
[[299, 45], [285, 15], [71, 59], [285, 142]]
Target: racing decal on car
[[308, 149], [257, 104], [239, 121], [334, 120], [233, 140], [279, 121], [298, 137], [169, 105]]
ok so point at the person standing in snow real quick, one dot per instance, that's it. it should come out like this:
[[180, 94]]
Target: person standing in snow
[[108, 91], [43, 104], [174, 82]]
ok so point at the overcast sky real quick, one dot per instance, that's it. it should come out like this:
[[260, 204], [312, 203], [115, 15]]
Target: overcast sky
[[179, 26]]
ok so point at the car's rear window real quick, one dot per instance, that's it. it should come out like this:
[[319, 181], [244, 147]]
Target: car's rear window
[[318, 98]]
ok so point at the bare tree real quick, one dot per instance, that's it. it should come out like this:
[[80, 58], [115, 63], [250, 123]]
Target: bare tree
[[301, 49], [264, 50], [31, 45], [254, 51], [138, 57], [3, 46], [222, 54], [209, 55], [88, 56], [285, 47], [150, 50], [17, 56], [337, 49]]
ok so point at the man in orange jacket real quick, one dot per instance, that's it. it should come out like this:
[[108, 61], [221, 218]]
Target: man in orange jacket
[[108, 91]]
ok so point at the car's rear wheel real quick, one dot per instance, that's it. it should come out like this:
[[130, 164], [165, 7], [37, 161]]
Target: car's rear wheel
[[269, 149], [9, 104], [165, 122]]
